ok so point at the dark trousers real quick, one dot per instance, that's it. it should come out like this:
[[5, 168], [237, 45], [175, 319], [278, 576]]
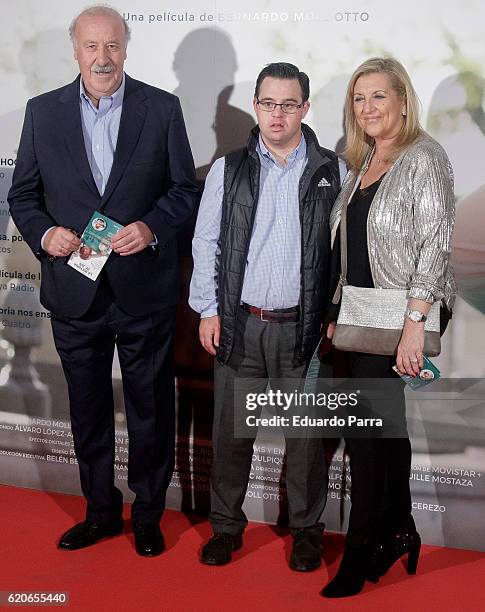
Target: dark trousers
[[380, 467], [145, 351], [262, 350]]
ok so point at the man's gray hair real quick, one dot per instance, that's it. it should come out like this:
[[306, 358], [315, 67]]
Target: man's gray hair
[[98, 9]]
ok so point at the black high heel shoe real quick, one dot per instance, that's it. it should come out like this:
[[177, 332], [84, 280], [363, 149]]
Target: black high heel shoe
[[392, 548], [351, 575]]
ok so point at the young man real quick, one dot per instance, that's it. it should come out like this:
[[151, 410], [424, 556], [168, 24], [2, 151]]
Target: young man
[[261, 265]]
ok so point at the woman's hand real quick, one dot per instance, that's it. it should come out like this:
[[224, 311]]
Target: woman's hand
[[331, 329], [410, 348]]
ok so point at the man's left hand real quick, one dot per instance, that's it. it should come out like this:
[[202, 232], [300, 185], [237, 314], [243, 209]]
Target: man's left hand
[[132, 238]]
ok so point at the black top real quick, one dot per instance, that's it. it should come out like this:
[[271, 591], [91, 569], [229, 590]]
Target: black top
[[358, 266]]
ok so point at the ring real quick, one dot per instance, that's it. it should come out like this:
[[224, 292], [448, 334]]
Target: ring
[[414, 361]]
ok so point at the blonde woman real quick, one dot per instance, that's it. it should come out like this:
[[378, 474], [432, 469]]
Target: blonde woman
[[399, 224]]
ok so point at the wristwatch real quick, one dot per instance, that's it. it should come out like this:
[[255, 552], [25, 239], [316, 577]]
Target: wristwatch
[[416, 315]]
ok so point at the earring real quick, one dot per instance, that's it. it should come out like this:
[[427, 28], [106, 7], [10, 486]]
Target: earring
[[403, 113]]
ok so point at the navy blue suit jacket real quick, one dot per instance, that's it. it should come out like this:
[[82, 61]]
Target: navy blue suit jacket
[[152, 180]]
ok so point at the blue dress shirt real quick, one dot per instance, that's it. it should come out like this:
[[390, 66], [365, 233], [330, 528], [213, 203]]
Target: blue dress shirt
[[100, 130], [272, 276]]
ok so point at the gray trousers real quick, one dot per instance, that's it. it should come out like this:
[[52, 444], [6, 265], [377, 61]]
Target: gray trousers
[[261, 350]]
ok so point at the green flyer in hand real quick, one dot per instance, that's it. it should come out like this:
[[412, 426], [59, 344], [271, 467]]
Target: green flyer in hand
[[95, 246], [427, 374]]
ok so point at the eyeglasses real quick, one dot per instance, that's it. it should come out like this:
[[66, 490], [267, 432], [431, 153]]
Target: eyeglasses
[[287, 107]]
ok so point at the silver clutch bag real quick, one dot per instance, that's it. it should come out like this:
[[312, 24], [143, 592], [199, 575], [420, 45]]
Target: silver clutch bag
[[371, 321]]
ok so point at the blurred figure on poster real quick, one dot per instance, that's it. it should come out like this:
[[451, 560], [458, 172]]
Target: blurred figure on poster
[[109, 144], [399, 222], [456, 118], [262, 235]]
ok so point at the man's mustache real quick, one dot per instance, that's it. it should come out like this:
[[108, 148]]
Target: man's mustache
[[102, 69]]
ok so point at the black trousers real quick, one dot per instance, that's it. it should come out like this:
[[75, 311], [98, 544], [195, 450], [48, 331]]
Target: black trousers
[[380, 467], [145, 351], [263, 351]]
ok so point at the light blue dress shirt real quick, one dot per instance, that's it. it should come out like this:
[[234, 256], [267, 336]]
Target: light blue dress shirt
[[100, 130], [272, 276]]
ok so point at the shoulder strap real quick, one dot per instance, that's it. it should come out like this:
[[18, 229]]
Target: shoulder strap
[[343, 231]]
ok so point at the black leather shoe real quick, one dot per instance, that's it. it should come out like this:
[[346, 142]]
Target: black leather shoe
[[149, 540], [88, 533], [351, 575], [219, 549], [306, 554]]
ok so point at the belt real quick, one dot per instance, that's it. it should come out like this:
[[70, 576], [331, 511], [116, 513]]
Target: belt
[[274, 315]]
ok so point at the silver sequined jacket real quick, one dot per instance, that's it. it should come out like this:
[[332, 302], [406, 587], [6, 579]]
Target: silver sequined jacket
[[410, 223]]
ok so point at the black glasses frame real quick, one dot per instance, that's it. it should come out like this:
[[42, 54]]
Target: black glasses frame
[[281, 104]]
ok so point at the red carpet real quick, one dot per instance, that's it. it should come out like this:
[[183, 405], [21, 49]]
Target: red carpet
[[111, 576]]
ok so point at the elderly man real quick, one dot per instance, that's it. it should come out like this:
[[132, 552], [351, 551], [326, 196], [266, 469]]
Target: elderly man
[[261, 269], [110, 144]]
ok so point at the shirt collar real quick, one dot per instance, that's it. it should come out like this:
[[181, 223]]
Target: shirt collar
[[298, 153], [116, 98]]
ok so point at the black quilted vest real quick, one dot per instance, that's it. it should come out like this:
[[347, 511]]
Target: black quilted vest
[[318, 189]]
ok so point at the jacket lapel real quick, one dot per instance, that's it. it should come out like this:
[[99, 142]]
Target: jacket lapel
[[132, 120], [73, 132]]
